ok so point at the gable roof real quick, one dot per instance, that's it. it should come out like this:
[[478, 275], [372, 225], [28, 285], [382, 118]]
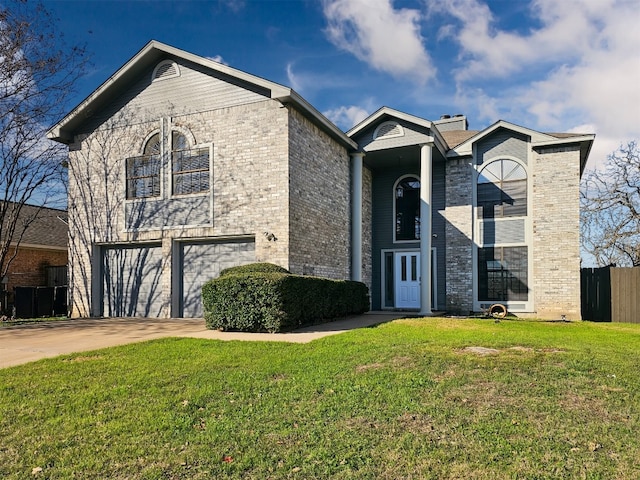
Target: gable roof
[[384, 113], [47, 227], [152, 53]]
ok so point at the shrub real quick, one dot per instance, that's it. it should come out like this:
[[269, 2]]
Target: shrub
[[276, 302], [254, 268]]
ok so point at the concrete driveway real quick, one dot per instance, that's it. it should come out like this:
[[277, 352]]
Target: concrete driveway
[[27, 343]]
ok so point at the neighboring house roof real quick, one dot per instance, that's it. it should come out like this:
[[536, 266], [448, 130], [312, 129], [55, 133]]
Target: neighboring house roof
[[154, 52], [47, 227]]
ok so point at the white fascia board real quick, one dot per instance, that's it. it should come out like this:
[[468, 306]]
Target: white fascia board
[[562, 141], [318, 118], [375, 116], [37, 246], [57, 131]]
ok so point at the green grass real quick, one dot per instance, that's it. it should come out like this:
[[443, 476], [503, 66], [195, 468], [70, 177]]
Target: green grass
[[403, 400]]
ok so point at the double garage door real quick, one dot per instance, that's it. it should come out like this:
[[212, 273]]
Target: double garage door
[[132, 276]]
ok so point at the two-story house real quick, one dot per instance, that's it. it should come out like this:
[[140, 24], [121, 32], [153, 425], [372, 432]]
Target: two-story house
[[180, 166]]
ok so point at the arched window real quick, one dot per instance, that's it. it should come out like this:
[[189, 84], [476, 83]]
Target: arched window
[[407, 209], [503, 258], [143, 172], [502, 190], [190, 166]]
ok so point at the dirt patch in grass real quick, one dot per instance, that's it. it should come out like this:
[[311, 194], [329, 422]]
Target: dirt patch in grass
[[83, 358], [369, 366], [483, 351]]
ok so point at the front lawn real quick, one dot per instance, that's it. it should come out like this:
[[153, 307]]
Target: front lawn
[[407, 399]]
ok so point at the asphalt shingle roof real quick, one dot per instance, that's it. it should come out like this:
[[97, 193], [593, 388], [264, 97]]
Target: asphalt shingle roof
[[49, 229]]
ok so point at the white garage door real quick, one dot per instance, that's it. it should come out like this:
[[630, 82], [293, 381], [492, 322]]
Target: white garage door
[[203, 261], [131, 281]]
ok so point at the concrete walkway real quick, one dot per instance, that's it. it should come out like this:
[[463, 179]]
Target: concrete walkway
[[27, 343]]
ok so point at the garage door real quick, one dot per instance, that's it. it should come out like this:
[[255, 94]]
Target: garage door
[[203, 261], [131, 281]]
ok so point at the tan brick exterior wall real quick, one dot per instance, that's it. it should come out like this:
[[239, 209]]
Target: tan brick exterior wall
[[556, 230], [250, 189], [319, 202]]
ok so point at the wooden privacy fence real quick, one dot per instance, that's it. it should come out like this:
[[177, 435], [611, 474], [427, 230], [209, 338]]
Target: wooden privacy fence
[[610, 294]]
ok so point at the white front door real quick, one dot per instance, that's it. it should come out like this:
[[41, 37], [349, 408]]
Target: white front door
[[407, 279]]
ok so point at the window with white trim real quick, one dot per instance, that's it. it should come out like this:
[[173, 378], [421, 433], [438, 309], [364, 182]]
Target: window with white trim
[[190, 167], [503, 255], [143, 172]]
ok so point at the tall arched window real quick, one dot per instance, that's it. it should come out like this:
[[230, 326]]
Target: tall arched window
[[407, 209], [143, 172], [503, 267]]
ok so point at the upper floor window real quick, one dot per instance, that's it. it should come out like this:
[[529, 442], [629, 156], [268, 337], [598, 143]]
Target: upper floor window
[[190, 171], [407, 209], [502, 190], [143, 172]]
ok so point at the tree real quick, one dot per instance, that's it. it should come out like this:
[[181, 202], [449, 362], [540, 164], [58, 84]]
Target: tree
[[37, 76], [610, 209]]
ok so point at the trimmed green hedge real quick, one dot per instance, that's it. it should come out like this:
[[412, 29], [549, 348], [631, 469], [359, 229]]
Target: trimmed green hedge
[[276, 302], [254, 268]]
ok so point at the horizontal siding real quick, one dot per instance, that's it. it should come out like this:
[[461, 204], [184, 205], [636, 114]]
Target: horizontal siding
[[502, 143], [382, 223], [195, 90], [413, 135]]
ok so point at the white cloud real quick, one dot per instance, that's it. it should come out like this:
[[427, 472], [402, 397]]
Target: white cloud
[[386, 38], [580, 67], [308, 82], [347, 117], [219, 59]]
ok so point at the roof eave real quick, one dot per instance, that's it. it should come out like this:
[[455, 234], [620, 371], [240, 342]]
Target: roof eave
[[293, 98], [59, 132]]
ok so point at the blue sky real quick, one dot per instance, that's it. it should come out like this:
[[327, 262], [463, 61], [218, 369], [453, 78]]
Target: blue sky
[[552, 65]]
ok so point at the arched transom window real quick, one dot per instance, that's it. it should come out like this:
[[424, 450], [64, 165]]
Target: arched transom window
[[502, 190], [407, 209]]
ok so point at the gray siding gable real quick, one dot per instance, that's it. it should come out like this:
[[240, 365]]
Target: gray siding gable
[[413, 135], [502, 143], [197, 89]]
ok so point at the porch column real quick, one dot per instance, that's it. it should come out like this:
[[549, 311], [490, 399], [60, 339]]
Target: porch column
[[425, 229], [356, 216]]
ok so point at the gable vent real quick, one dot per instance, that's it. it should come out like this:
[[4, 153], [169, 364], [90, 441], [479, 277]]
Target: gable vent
[[166, 69], [387, 130]]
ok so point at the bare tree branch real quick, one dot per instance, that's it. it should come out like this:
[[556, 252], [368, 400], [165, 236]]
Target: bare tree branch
[[38, 73], [610, 209]]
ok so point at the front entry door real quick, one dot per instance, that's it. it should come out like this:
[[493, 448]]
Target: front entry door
[[407, 279]]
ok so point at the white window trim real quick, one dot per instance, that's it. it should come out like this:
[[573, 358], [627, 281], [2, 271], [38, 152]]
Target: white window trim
[[208, 146], [153, 132], [514, 305]]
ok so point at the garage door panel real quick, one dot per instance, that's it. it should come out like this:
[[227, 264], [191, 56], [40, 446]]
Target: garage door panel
[[202, 262], [132, 283]]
